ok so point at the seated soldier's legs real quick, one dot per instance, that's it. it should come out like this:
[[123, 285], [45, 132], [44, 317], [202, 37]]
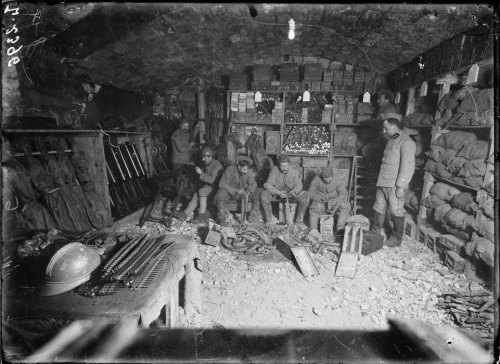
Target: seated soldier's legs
[[192, 204], [205, 193], [221, 199], [265, 199], [304, 202], [316, 209]]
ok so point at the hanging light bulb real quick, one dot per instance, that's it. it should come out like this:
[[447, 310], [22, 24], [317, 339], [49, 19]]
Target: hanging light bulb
[[291, 29]]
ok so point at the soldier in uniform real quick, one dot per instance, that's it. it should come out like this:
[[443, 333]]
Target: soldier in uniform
[[181, 146], [284, 181], [206, 186], [396, 171], [325, 195], [237, 182]]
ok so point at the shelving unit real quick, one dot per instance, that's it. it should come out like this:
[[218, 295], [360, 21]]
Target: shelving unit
[[479, 194]]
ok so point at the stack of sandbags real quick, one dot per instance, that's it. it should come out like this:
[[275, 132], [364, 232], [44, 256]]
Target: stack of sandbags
[[482, 247], [467, 106], [459, 157], [452, 209], [423, 115]]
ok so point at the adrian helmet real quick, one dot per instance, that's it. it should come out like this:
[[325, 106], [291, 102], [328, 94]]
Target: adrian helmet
[[68, 268]]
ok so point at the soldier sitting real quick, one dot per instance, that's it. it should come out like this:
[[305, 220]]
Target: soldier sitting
[[325, 195], [283, 181], [207, 185], [237, 182]]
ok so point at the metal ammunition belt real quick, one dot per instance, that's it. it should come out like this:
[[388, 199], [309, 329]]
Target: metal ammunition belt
[[135, 265], [249, 241]]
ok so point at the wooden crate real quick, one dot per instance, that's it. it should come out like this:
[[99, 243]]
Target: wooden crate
[[449, 242], [456, 263], [326, 224], [410, 227], [431, 239]]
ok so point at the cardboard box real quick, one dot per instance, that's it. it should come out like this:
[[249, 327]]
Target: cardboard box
[[273, 144], [238, 81], [326, 116], [289, 72], [262, 72], [328, 75], [313, 72], [326, 85]]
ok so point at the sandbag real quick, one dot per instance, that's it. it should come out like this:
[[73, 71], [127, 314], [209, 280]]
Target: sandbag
[[444, 190], [455, 140], [435, 153], [459, 219], [473, 168], [433, 201], [447, 156], [411, 200], [488, 210], [438, 169], [465, 202], [481, 249], [456, 164], [486, 228], [477, 150], [440, 212], [461, 234]]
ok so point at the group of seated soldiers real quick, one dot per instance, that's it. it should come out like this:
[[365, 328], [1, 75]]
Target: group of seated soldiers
[[219, 186]]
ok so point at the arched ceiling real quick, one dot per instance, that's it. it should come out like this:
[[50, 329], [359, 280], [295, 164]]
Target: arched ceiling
[[160, 47]]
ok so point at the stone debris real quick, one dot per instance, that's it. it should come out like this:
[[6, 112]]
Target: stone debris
[[404, 282]]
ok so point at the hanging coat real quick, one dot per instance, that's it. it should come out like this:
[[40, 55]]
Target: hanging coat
[[80, 165]]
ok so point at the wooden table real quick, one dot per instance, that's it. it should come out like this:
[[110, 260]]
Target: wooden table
[[144, 304]]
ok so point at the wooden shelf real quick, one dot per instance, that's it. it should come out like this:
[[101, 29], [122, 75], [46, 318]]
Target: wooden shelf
[[306, 155], [419, 127], [356, 125], [308, 124], [73, 131], [277, 124], [454, 183], [468, 127]]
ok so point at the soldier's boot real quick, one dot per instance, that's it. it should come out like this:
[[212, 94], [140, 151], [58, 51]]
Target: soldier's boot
[[299, 220], [313, 221], [378, 223], [396, 237], [223, 218], [254, 213], [268, 213], [342, 219]]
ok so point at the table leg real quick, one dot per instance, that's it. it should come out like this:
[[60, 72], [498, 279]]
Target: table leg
[[171, 307]]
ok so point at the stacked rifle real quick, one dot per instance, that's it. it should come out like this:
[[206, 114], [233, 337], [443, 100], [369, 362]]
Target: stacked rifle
[[129, 185], [471, 310], [159, 155], [135, 264]]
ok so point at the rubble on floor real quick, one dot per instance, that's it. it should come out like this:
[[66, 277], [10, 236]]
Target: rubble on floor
[[270, 292]]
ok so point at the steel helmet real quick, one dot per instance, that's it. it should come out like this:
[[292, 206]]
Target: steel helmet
[[68, 268]]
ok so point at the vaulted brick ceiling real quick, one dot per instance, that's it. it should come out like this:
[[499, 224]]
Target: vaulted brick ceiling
[[160, 47]]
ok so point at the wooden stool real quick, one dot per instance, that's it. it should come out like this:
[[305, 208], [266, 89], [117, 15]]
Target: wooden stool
[[352, 245]]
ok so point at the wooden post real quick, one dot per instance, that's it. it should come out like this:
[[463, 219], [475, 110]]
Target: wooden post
[[410, 105]]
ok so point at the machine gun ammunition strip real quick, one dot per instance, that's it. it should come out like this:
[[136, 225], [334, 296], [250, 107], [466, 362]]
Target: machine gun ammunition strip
[[156, 248], [161, 255], [140, 260], [124, 250], [138, 248], [126, 264], [152, 272]]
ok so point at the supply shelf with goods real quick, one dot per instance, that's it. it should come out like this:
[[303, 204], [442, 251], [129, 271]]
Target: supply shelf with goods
[[456, 197], [135, 161], [264, 116]]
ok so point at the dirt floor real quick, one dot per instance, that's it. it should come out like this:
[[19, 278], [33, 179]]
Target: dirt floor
[[242, 291]]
